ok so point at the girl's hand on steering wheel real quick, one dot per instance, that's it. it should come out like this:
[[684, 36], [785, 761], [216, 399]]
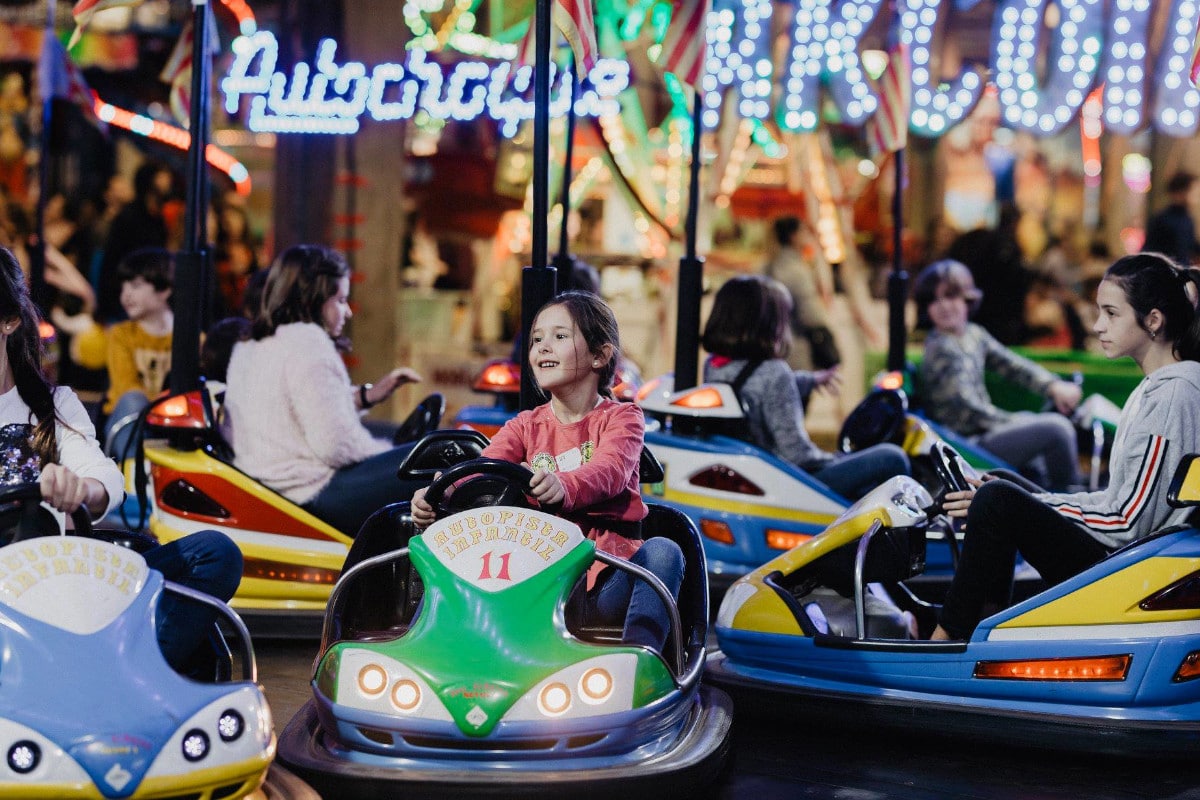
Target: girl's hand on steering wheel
[[423, 514], [546, 488], [955, 504], [62, 489]]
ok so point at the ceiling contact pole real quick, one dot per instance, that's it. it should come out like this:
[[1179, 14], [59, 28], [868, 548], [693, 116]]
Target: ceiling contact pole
[[691, 270], [538, 279]]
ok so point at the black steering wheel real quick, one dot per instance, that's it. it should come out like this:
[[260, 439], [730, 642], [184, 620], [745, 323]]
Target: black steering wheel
[[484, 482], [951, 467], [423, 419], [878, 418], [22, 517]]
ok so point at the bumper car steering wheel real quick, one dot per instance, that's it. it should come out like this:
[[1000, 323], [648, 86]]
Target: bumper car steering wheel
[[484, 482], [22, 517]]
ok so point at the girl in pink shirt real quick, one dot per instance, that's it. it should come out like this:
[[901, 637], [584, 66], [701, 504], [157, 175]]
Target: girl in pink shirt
[[584, 448]]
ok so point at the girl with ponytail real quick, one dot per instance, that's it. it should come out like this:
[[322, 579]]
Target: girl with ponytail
[[1147, 311], [46, 436]]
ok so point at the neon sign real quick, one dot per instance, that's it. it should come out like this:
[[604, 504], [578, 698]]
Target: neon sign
[[1087, 48], [328, 97]]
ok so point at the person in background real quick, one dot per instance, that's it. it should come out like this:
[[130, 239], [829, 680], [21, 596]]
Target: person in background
[[813, 345], [291, 413], [236, 256], [138, 224], [953, 392], [747, 338], [1172, 231], [1147, 311], [584, 448], [139, 349], [47, 437]]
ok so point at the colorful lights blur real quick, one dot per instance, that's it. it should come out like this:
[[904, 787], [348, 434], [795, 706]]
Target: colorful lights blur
[[176, 137], [936, 106], [1018, 27], [1176, 100], [1135, 171], [825, 44]]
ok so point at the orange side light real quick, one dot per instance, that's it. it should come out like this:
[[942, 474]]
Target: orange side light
[[892, 380], [46, 331], [499, 376], [179, 411], [785, 540], [715, 530], [1189, 668], [267, 569], [647, 389], [1094, 668], [701, 398]]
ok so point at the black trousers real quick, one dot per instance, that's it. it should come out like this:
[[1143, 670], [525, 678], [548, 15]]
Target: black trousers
[[1004, 520]]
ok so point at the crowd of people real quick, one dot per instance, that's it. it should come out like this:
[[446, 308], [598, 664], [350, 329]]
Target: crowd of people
[[293, 416]]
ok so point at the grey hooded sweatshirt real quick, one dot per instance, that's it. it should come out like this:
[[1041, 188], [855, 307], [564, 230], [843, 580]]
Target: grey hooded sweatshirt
[[1159, 425]]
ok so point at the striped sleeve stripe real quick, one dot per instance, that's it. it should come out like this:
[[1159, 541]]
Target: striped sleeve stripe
[[1152, 463]]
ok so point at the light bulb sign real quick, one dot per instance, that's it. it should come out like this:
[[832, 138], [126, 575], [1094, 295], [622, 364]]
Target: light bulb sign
[[1091, 42], [331, 97]]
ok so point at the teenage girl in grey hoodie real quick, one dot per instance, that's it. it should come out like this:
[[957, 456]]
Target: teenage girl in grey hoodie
[[1147, 310]]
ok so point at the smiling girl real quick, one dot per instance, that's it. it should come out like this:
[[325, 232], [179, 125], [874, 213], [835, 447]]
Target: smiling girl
[[584, 448], [1147, 311]]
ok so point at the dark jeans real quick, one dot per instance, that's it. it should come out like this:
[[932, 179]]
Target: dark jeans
[[622, 596], [1003, 520], [358, 491], [1043, 445], [207, 561], [854, 474]]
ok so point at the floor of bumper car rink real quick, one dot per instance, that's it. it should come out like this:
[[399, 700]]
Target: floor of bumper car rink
[[778, 757]]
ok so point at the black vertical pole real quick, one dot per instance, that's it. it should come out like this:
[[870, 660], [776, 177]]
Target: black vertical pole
[[691, 270], [538, 279], [192, 263], [563, 261], [37, 245], [898, 279]]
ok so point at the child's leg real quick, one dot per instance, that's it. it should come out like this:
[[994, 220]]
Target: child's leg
[[646, 619], [1003, 520], [207, 561], [1049, 435], [855, 474]]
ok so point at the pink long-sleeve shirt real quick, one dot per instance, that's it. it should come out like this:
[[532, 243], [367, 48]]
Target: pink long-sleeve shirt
[[596, 460]]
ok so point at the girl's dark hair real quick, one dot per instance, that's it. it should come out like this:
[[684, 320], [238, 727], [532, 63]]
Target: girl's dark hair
[[596, 322], [958, 279], [218, 346], [1150, 281], [24, 350], [299, 282], [749, 319]]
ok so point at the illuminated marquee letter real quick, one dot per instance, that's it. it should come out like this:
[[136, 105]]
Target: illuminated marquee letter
[[825, 40], [934, 110], [1124, 65], [1074, 60], [738, 54], [1176, 101], [261, 46]]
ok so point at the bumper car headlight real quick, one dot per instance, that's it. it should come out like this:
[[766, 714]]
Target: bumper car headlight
[[602, 685], [24, 757], [370, 681]]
